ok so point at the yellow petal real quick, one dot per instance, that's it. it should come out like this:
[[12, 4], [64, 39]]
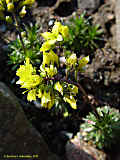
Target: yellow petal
[[58, 87], [23, 12], [45, 98], [10, 7], [39, 93], [71, 61], [31, 95], [83, 62], [71, 101], [45, 46]]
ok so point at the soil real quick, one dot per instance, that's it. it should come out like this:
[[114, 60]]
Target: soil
[[101, 79]]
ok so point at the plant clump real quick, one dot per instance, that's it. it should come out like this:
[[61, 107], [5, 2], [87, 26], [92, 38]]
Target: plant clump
[[82, 34], [104, 131], [47, 83]]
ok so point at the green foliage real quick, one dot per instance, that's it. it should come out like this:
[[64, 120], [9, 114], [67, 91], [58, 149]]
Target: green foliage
[[82, 34], [103, 132], [32, 44]]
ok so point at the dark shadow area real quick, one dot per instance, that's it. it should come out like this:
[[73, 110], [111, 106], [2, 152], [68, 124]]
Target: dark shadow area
[[46, 3], [66, 8]]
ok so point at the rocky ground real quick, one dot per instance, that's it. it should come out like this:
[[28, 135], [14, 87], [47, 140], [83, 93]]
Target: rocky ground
[[102, 76]]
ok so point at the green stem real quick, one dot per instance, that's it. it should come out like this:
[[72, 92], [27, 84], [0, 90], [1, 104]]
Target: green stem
[[76, 72], [19, 33]]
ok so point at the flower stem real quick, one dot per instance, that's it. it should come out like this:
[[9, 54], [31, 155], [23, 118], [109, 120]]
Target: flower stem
[[19, 33]]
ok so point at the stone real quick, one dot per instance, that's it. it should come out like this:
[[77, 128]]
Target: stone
[[79, 150], [17, 135], [89, 5], [117, 17]]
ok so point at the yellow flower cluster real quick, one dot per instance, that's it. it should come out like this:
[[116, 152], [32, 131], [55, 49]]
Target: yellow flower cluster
[[79, 64], [28, 79], [32, 82], [9, 6], [36, 84], [58, 33]]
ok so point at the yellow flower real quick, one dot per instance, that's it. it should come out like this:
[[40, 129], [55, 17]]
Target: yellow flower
[[25, 70], [45, 99], [58, 87], [72, 60], [71, 101], [39, 93], [10, 7], [48, 35], [51, 71], [7, 1], [31, 82], [46, 58], [50, 58], [82, 63], [65, 31], [8, 19], [27, 76], [45, 46], [31, 96], [59, 38], [22, 13], [57, 28]]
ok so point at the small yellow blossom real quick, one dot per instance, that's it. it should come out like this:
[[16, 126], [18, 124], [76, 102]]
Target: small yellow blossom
[[56, 28], [71, 100], [8, 19], [45, 99], [82, 63], [39, 93], [31, 96], [7, 1], [22, 13], [72, 60], [51, 71], [10, 7], [65, 31], [27, 76], [50, 58], [46, 46], [58, 87], [47, 35]]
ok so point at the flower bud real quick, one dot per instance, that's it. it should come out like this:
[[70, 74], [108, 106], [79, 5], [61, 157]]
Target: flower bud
[[10, 7], [22, 12], [7, 1], [23, 34], [8, 19]]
